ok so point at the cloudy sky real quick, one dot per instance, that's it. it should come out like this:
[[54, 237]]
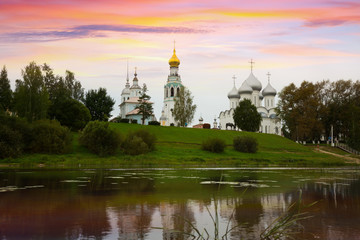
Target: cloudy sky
[[215, 40]]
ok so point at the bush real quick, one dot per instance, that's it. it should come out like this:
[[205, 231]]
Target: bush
[[50, 137], [100, 139], [215, 145], [172, 125], [134, 121], [206, 125], [11, 142], [245, 144], [139, 142], [124, 120], [156, 123]]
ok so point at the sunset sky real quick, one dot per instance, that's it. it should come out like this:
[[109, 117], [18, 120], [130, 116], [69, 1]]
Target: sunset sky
[[293, 40]]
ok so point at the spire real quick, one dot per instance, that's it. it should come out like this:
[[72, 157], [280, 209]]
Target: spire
[[135, 74], [234, 79], [127, 73], [268, 74], [251, 64]]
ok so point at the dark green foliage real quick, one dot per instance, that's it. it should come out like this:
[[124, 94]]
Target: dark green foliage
[[246, 116], [139, 142], [124, 120], [172, 125], [156, 123], [215, 145], [21, 126], [144, 106], [50, 137], [100, 104], [245, 144], [206, 126], [31, 98], [11, 143], [6, 94], [71, 113], [134, 121], [100, 139]]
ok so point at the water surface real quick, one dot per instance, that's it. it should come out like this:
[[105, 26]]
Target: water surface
[[164, 203]]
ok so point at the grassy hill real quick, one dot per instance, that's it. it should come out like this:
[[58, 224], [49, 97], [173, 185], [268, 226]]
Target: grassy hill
[[182, 146]]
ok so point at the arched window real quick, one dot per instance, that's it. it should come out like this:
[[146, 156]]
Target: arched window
[[172, 92], [177, 91], [166, 92], [276, 130], [268, 102]]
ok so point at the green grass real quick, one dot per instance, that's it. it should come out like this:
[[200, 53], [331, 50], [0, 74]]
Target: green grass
[[182, 147]]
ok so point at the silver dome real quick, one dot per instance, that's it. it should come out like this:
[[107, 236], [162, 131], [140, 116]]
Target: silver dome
[[253, 82], [245, 88], [269, 91], [233, 93], [125, 91]]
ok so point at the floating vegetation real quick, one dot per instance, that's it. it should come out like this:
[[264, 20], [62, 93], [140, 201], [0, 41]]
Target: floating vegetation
[[115, 177], [236, 184], [74, 181], [14, 188]]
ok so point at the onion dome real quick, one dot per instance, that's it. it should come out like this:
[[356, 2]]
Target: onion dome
[[201, 119], [174, 61], [261, 97], [253, 82], [125, 91], [245, 88], [135, 82], [269, 90], [233, 93]]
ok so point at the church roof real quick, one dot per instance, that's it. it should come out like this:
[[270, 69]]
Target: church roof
[[174, 60], [233, 93], [133, 112], [125, 91], [245, 88], [269, 90], [253, 82]]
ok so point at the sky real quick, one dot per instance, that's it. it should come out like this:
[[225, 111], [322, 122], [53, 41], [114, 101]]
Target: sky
[[215, 40]]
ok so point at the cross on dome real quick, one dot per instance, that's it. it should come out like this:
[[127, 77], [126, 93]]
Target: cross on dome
[[268, 74], [234, 79], [251, 64]]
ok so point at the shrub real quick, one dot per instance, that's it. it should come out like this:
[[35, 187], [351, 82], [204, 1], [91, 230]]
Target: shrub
[[215, 145], [124, 120], [139, 142], [100, 139], [11, 142], [245, 144], [50, 137], [156, 123], [134, 121], [172, 125], [206, 126]]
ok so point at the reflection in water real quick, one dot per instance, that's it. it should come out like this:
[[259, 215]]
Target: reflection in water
[[162, 204]]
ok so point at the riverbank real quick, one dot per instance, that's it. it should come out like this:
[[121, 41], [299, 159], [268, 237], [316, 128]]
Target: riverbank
[[182, 147]]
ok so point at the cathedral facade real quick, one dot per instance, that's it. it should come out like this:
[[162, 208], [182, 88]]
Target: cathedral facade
[[171, 89], [130, 99], [263, 99]]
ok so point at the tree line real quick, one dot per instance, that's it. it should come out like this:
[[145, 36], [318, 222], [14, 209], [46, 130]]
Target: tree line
[[41, 94], [312, 109]]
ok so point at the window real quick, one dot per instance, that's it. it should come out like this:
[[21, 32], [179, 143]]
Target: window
[[172, 92], [177, 91], [272, 102], [265, 129], [268, 102], [167, 92]]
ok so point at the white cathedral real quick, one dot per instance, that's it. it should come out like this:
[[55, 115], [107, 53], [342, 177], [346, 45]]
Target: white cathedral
[[263, 100]]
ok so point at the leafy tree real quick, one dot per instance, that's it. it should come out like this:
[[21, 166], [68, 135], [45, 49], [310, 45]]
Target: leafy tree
[[5, 91], [246, 116], [71, 113], [184, 109], [31, 98], [145, 107], [99, 104]]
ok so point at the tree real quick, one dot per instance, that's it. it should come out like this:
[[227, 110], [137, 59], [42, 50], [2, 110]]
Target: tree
[[246, 116], [6, 94], [31, 98], [99, 104], [71, 113], [145, 107], [184, 109]]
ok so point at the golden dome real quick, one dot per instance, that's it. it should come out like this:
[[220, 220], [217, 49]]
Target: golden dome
[[174, 61]]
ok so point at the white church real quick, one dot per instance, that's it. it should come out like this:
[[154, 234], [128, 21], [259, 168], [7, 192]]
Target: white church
[[130, 99], [263, 99]]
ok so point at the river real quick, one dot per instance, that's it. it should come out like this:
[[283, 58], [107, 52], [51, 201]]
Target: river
[[170, 203]]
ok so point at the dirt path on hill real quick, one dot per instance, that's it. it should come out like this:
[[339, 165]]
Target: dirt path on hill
[[349, 159]]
